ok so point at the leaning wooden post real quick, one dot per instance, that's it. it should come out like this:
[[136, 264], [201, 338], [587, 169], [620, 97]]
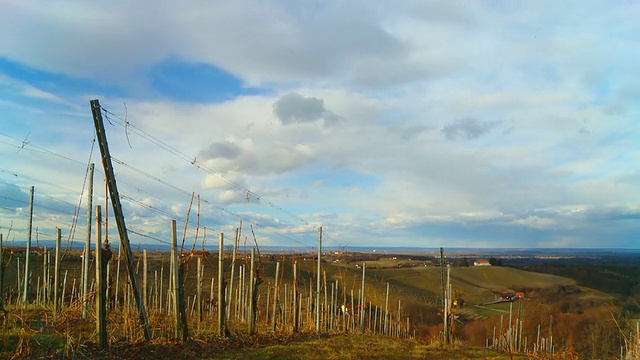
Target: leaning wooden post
[[27, 277], [96, 111], [221, 317], [101, 311], [56, 273], [318, 280], [176, 281], [87, 246]]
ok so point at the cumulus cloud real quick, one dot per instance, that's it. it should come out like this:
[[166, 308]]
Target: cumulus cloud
[[295, 108], [13, 196], [224, 150], [468, 128]]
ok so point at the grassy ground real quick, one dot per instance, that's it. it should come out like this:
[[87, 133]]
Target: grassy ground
[[360, 347], [274, 346]]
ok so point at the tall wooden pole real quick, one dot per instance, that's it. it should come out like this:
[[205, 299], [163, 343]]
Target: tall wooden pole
[[101, 310], [221, 324], [318, 280], [117, 212], [87, 246], [27, 276]]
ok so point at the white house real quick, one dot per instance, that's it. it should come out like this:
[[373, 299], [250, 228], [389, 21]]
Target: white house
[[481, 262]]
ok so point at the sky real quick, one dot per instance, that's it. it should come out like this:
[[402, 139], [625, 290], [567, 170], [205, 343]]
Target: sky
[[389, 123]]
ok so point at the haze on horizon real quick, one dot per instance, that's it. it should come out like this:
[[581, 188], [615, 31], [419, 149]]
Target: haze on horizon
[[412, 123]]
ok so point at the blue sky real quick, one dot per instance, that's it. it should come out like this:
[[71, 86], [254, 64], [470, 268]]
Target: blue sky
[[412, 123]]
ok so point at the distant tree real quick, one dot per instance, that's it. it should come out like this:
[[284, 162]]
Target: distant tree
[[465, 262], [495, 262]]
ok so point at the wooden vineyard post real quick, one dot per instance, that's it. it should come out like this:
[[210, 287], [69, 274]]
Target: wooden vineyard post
[[221, 318], [145, 284], [2, 273], [87, 246], [96, 111], [362, 300], [550, 344], [296, 309], [449, 303], [101, 321], [386, 311], [27, 275], [184, 331], [252, 296], [444, 299], [275, 298], [326, 302], [118, 278], [318, 280], [199, 290], [519, 328], [175, 282], [500, 334], [233, 267], [510, 329], [56, 274]]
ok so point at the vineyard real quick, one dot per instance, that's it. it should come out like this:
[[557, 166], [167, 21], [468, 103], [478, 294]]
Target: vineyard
[[188, 295]]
